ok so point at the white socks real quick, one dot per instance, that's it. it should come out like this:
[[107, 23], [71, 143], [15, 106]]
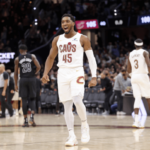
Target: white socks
[[69, 117], [81, 110], [136, 118]]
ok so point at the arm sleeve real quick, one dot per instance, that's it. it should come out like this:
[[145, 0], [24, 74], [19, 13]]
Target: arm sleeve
[[92, 62], [5, 76]]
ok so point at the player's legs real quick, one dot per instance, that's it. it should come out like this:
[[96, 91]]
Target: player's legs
[[32, 95], [77, 92], [64, 92], [137, 96], [24, 95], [69, 117]]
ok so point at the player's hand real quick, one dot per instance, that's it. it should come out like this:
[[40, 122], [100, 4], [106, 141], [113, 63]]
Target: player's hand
[[45, 79], [93, 82], [16, 88], [12, 91], [4, 93]]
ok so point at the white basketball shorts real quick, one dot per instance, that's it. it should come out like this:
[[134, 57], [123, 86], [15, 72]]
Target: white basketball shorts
[[70, 83], [140, 85]]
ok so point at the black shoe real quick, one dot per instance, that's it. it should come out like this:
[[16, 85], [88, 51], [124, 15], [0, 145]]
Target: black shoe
[[11, 113], [31, 121], [2, 116], [25, 124]]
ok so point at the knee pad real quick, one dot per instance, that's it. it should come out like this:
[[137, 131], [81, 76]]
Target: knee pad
[[137, 102]]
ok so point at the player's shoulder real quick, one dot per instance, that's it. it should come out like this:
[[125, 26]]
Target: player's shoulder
[[84, 38], [56, 38]]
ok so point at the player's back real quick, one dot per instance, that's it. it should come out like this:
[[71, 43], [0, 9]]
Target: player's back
[[137, 61]]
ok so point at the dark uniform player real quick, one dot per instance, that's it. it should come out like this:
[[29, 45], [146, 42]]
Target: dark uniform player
[[27, 80]]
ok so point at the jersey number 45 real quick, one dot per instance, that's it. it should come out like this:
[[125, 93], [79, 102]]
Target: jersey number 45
[[67, 58]]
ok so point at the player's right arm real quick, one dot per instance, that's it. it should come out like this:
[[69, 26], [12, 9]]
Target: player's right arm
[[16, 73], [129, 68], [35, 61], [146, 55], [50, 60]]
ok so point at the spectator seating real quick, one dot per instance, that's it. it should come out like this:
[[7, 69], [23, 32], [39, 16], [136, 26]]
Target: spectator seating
[[93, 99]]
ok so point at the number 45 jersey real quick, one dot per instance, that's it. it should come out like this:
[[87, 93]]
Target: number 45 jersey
[[138, 63], [26, 66], [70, 51]]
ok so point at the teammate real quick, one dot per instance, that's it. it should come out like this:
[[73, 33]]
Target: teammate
[[139, 67], [27, 80], [70, 47]]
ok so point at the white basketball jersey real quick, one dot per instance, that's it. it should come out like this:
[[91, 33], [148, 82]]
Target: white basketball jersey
[[70, 51], [138, 63]]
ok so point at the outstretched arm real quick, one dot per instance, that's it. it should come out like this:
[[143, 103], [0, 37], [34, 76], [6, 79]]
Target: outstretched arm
[[50, 60], [146, 55], [85, 42], [35, 61]]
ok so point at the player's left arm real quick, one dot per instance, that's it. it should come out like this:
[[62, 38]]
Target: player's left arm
[[16, 62], [35, 61], [85, 42], [129, 68]]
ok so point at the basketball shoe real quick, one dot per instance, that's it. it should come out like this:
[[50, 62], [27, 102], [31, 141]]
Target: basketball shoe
[[137, 125], [71, 141], [85, 135], [25, 124], [31, 121]]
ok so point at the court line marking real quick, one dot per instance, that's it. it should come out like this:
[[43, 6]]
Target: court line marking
[[109, 126]]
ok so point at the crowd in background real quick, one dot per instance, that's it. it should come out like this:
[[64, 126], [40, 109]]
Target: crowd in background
[[17, 17]]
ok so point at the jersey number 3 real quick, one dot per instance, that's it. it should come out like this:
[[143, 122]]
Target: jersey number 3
[[67, 58], [136, 64]]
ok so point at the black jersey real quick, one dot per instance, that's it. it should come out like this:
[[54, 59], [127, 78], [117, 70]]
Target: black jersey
[[26, 66]]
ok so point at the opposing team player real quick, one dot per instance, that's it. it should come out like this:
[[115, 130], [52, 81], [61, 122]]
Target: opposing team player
[[27, 81], [70, 47], [139, 67]]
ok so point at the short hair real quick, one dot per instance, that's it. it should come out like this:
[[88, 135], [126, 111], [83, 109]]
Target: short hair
[[23, 47], [68, 15]]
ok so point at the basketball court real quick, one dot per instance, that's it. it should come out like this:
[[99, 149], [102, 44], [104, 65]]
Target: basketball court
[[107, 133]]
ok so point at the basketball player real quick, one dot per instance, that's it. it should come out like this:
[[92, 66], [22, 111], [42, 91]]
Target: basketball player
[[27, 81], [139, 67], [70, 47]]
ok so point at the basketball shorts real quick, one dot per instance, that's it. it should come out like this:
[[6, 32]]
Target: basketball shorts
[[70, 83], [140, 85], [27, 87]]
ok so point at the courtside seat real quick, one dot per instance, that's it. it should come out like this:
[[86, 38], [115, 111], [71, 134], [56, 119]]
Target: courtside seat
[[48, 99], [43, 97], [54, 98]]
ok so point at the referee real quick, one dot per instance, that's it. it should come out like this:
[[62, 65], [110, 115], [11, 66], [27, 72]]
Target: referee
[[4, 80]]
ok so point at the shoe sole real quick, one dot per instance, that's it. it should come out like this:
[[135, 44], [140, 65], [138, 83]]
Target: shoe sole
[[32, 123], [25, 126], [85, 141], [69, 145], [138, 127]]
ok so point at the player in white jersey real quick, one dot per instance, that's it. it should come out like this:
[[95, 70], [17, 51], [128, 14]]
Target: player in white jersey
[[139, 67], [70, 47]]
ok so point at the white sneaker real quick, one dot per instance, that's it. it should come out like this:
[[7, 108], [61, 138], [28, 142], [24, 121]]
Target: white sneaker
[[137, 125], [105, 113], [85, 137], [122, 113], [20, 111], [17, 113], [71, 141], [118, 112]]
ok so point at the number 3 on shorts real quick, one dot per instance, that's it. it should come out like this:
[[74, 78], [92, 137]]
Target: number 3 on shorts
[[67, 58], [136, 64]]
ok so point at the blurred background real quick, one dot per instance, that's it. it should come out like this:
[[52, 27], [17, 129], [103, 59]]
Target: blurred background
[[111, 25]]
